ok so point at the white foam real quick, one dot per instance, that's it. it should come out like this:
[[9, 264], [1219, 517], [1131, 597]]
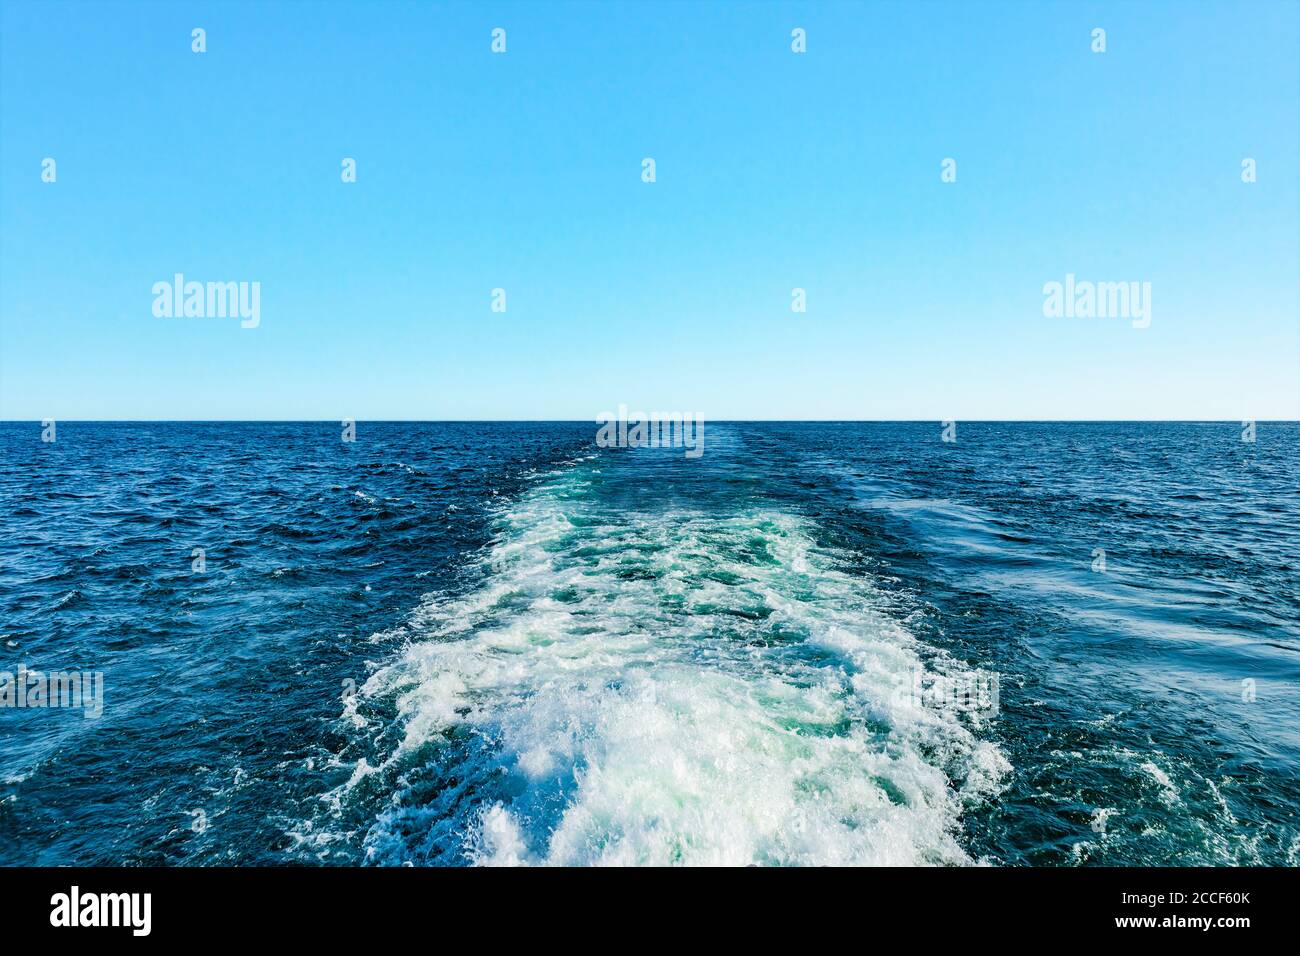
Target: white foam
[[1168, 792], [681, 688]]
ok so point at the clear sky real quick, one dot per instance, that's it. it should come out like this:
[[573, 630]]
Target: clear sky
[[775, 170]]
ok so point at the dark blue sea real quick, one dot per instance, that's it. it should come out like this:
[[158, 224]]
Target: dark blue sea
[[447, 644]]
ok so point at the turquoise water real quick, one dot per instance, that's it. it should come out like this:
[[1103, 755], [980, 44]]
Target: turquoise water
[[501, 644]]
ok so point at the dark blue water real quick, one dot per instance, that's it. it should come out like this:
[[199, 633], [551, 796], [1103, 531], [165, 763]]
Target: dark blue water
[[496, 643]]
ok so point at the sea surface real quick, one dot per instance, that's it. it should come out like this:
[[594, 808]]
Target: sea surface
[[465, 643]]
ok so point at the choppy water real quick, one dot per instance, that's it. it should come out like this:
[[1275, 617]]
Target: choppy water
[[565, 654]]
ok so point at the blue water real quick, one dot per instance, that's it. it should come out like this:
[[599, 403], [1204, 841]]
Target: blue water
[[570, 654]]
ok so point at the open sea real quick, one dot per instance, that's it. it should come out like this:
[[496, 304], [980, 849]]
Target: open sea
[[497, 643]]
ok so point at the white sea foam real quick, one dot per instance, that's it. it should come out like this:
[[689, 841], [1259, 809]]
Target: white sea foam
[[677, 688]]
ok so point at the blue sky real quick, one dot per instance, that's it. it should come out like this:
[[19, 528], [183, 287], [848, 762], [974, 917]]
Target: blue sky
[[775, 170]]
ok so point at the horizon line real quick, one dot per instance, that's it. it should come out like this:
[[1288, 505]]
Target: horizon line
[[593, 421]]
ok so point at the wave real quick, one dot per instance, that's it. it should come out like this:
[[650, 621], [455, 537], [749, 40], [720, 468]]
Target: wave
[[679, 687]]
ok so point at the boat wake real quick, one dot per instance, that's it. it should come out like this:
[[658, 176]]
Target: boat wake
[[679, 687]]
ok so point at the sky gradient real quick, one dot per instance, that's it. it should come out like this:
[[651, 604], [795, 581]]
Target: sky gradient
[[775, 170]]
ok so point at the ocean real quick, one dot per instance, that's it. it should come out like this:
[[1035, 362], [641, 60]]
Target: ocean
[[1065, 644]]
